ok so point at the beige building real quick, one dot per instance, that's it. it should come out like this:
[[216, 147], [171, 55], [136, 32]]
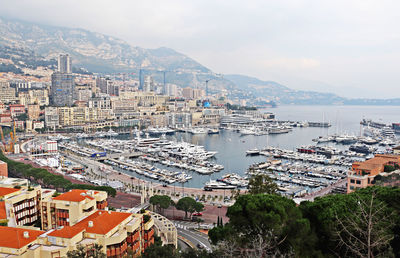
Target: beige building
[[33, 111], [70, 207], [34, 96], [20, 206]]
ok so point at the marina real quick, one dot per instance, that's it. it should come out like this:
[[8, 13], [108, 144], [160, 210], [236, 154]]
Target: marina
[[300, 158]]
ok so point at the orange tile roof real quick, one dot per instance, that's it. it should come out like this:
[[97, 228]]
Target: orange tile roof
[[66, 232], [3, 214], [6, 190], [103, 221], [75, 195], [14, 237]]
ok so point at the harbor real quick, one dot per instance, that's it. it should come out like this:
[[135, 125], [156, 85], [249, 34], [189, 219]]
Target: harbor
[[302, 159]]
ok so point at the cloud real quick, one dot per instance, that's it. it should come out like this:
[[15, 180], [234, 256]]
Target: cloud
[[314, 40]]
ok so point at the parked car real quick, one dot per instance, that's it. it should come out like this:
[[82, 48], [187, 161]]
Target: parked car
[[197, 214]]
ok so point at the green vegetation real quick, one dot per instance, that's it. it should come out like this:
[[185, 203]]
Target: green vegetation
[[189, 205], [365, 223], [262, 184], [44, 177], [22, 117], [237, 107], [390, 168], [146, 218], [162, 202], [110, 191]]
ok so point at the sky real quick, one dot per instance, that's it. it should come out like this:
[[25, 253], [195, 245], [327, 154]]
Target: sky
[[351, 48]]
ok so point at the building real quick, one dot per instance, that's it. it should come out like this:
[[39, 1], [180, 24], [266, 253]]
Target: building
[[7, 94], [3, 169], [148, 84], [17, 109], [19, 242], [187, 93], [171, 90], [36, 96], [362, 174], [75, 218], [51, 117], [33, 111], [69, 208], [21, 204], [64, 64], [62, 89], [179, 120]]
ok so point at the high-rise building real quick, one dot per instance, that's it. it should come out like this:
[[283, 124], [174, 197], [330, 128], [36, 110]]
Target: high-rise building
[[148, 84], [64, 64], [62, 84]]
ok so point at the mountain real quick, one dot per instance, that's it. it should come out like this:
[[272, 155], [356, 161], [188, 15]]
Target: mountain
[[31, 45], [279, 93]]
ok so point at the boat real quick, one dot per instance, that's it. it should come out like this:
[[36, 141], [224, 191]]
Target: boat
[[213, 184], [213, 131], [360, 148], [253, 152]]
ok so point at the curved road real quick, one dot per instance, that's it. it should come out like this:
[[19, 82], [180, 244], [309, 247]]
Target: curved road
[[197, 238]]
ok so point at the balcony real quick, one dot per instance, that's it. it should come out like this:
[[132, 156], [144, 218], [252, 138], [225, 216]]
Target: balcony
[[149, 224], [116, 238]]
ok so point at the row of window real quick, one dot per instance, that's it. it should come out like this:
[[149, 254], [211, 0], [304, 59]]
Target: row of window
[[355, 181]]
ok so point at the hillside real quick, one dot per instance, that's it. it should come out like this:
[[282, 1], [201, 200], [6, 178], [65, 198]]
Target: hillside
[[30, 45]]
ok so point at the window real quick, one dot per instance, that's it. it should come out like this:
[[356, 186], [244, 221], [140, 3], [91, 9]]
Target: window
[[352, 181], [351, 187], [358, 182]]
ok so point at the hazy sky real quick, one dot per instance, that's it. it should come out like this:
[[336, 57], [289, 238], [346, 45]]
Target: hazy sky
[[348, 47]]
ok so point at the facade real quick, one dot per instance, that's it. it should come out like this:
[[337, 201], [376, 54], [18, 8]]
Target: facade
[[3, 169], [33, 111], [17, 109], [362, 174], [64, 64], [21, 205], [51, 117], [62, 89], [7, 94], [179, 120]]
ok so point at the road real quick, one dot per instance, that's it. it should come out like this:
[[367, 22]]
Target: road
[[197, 238]]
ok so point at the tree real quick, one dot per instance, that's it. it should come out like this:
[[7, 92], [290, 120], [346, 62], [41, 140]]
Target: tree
[[161, 201], [271, 217], [367, 231], [94, 251], [190, 205], [262, 183]]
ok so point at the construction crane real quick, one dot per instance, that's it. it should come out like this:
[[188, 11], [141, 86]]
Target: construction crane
[[3, 146]]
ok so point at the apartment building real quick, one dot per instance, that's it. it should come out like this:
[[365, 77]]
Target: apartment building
[[51, 117], [69, 208], [362, 174], [20, 205], [33, 111]]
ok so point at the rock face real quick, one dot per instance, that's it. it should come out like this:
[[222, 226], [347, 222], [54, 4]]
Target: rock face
[[94, 51]]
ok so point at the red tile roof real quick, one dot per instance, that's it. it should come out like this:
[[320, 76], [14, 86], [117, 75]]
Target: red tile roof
[[75, 195], [3, 214], [14, 237], [66, 232], [6, 190], [103, 221]]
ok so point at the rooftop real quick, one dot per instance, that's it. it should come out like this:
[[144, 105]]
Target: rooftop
[[66, 232], [74, 195], [14, 237], [3, 213], [103, 221], [6, 190]]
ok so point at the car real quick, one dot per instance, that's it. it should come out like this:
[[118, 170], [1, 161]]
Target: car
[[200, 246], [220, 206], [197, 214], [164, 185]]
